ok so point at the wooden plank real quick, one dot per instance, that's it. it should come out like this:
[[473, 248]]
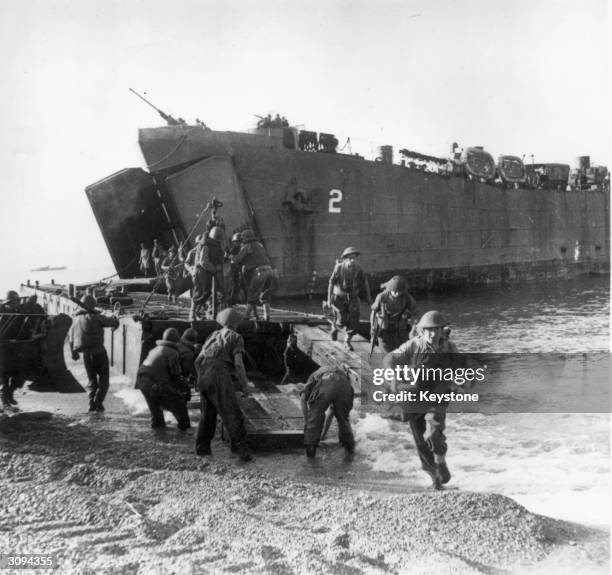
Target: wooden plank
[[316, 342]]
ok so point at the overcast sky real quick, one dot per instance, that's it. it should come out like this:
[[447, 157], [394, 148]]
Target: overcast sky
[[518, 77]]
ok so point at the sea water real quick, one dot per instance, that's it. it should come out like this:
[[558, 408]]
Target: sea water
[[557, 464]]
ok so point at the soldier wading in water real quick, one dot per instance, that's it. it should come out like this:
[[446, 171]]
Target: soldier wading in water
[[430, 349], [221, 356]]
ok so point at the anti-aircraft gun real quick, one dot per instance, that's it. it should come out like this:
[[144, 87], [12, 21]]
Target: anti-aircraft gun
[[167, 117]]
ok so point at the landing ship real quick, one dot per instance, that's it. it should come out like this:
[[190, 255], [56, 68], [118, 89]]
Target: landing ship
[[442, 222]]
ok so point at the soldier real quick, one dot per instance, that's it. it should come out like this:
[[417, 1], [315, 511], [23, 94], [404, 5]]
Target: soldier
[[221, 354], [209, 265], [181, 257], [235, 276], [258, 274], [191, 265], [157, 255], [190, 258], [213, 256], [392, 311], [215, 220], [430, 349], [328, 386], [144, 261], [188, 350], [170, 267], [87, 337], [160, 381], [345, 284], [10, 328], [298, 365]]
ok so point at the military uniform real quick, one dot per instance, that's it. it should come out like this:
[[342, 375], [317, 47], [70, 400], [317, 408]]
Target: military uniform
[[156, 254], [328, 386], [345, 285], [188, 350], [214, 365], [258, 274], [87, 337], [11, 327], [391, 317], [197, 288], [170, 268], [211, 266], [160, 380], [235, 276], [144, 261], [427, 421]]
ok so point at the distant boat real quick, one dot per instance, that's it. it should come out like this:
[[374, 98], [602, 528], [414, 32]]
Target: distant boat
[[48, 269]]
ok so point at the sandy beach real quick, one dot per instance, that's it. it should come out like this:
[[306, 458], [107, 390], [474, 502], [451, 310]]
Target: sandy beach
[[108, 495]]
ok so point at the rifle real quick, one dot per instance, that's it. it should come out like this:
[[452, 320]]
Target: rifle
[[171, 121], [374, 342]]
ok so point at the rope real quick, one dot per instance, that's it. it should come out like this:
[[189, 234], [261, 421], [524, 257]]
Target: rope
[[161, 277], [118, 272], [347, 143], [180, 143], [204, 211]]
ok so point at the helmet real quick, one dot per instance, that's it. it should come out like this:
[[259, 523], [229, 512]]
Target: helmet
[[12, 295], [198, 239], [216, 233], [432, 318], [350, 251], [247, 236], [236, 237], [228, 317], [190, 335], [89, 301], [396, 283], [171, 334]]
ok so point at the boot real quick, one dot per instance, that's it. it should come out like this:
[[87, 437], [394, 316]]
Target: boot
[[311, 451], [347, 344], [266, 312], [6, 403], [349, 451], [203, 450], [243, 452], [11, 397], [92, 406], [441, 468]]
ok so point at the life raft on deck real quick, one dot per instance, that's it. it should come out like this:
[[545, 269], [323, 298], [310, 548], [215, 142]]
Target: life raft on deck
[[511, 169], [478, 163]]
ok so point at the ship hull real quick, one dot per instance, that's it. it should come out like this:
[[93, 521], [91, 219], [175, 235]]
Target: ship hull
[[306, 207]]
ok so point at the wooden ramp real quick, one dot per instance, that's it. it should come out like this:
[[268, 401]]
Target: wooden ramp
[[273, 418], [315, 341]]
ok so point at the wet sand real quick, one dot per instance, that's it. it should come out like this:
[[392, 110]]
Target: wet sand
[[108, 495]]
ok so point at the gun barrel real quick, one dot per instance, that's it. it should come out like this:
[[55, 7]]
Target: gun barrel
[[144, 99]]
